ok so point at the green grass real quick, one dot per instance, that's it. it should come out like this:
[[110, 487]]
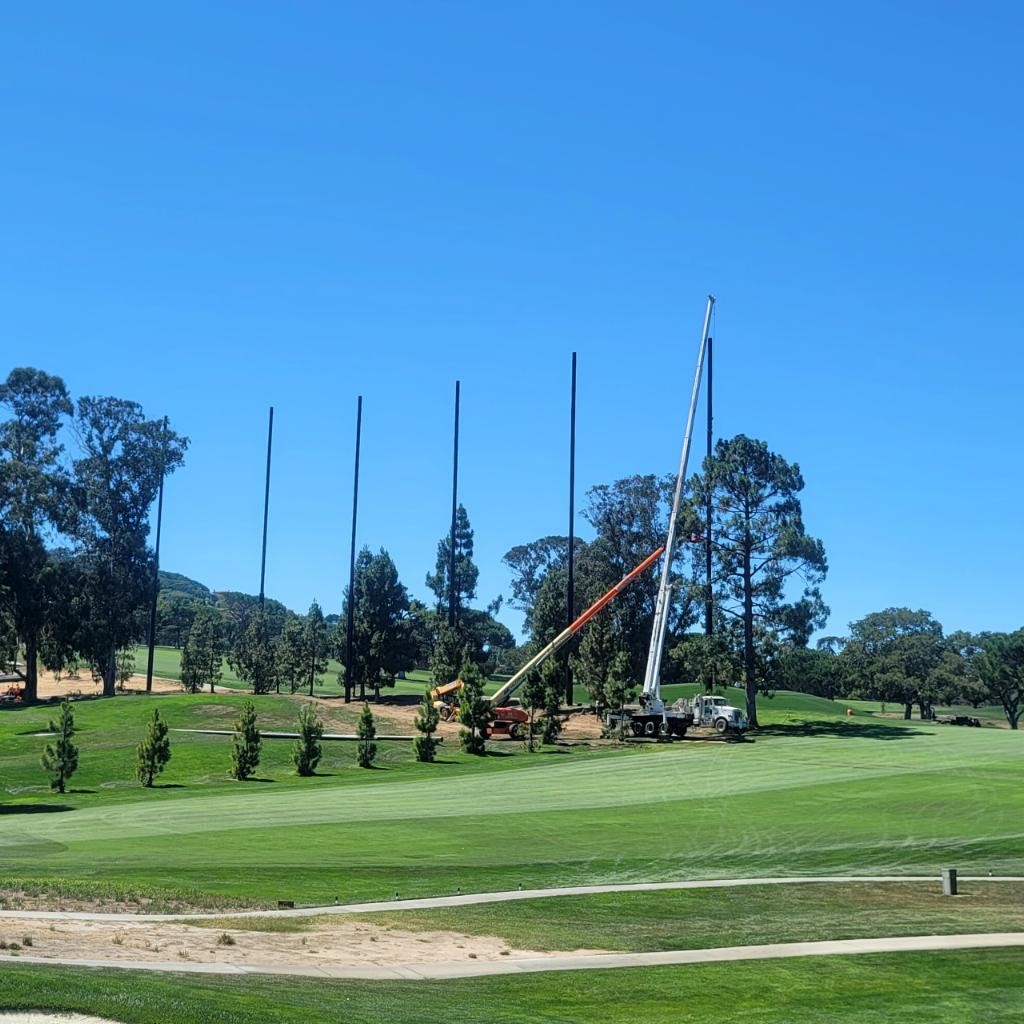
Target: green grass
[[908, 988], [703, 918], [812, 794]]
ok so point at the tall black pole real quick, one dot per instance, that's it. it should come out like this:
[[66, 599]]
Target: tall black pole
[[156, 565], [709, 622], [263, 559], [571, 589], [455, 506], [266, 508], [352, 559]]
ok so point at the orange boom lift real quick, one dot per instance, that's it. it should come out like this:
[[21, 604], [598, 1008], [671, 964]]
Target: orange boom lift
[[509, 719]]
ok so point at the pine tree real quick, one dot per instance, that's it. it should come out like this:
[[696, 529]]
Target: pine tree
[[466, 572], [552, 674], [203, 651], [61, 759], [245, 755], [290, 663], [154, 751], [306, 753], [533, 695], [474, 711], [619, 690], [315, 644], [449, 653], [366, 730], [425, 745]]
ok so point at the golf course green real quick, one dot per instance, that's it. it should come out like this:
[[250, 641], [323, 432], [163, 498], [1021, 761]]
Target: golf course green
[[815, 791]]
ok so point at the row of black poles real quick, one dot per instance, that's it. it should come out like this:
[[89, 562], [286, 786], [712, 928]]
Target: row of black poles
[[452, 561]]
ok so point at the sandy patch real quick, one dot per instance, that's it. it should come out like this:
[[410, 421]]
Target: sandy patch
[[336, 943], [83, 685], [395, 718], [51, 1018]]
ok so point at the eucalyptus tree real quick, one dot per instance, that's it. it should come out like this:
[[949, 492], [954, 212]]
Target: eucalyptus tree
[[116, 477], [34, 504]]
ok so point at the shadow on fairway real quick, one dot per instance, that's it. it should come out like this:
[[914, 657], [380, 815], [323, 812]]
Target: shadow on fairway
[[33, 808], [167, 785], [845, 730]]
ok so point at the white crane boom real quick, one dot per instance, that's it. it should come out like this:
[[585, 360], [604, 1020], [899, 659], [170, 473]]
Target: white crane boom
[[652, 675]]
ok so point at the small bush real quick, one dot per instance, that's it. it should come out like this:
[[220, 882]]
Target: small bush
[[27, 940], [225, 940]]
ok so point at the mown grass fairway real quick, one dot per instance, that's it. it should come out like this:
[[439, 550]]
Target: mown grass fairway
[[911, 988], [808, 795]]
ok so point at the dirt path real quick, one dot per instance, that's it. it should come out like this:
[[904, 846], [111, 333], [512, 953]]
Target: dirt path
[[469, 968], [471, 899]]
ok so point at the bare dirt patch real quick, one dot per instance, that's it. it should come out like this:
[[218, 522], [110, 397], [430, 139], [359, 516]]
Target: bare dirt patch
[[83, 685], [391, 716], [335, 943], [36, 1017]]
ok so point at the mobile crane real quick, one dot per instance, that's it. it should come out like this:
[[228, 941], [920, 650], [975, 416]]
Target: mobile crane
[[653, 718]]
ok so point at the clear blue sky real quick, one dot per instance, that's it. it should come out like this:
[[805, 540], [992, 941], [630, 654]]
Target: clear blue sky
[[215, 207]]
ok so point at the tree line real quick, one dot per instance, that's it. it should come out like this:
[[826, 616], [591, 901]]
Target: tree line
[[766, 602], [77, 577]]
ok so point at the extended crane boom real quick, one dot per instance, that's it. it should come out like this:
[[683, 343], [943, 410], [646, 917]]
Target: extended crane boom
[[652, 676], [516, 681]]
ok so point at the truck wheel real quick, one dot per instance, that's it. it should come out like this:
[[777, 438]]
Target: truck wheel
[[515, 731], [721, 726], [650, 729], [638, 729]]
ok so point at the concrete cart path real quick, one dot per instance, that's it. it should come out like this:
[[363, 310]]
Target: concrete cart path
[[581, 962], [469, 899]]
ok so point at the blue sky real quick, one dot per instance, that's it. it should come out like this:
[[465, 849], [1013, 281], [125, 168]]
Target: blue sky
[[215, 207]]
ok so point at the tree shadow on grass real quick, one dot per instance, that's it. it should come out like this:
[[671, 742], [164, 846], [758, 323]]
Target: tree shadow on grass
[[842, 729], [33, 808], [167, 785]]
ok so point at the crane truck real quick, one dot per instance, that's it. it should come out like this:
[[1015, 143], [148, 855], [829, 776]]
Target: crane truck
[[507, 716], [652, 717]]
